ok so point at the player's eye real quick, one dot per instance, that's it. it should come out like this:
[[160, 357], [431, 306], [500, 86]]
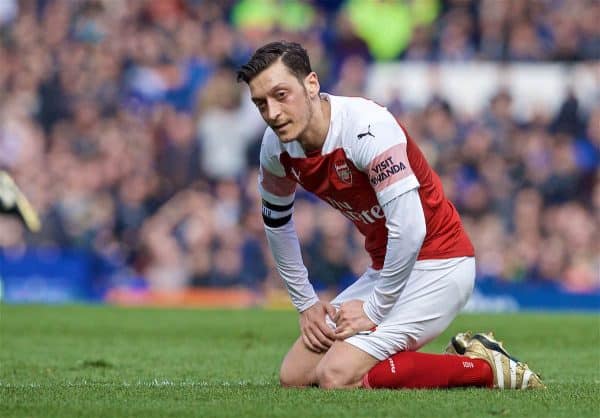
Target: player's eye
[[281, 95]]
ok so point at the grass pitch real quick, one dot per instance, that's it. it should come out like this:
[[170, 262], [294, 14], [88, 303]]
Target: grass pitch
[[100, 361]]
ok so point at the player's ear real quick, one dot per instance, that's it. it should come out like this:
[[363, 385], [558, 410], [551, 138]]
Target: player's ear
[[311, 84]]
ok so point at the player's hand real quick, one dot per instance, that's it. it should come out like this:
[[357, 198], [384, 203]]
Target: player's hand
[[351, 319], [316, 334]]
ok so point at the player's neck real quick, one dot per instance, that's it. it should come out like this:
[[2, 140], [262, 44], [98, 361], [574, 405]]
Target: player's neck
[[315, 134]]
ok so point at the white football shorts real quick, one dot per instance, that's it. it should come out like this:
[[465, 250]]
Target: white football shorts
[[435, 293]]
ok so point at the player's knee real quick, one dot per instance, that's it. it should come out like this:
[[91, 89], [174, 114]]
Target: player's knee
[[331, 377], [289, 381], [290, 377]]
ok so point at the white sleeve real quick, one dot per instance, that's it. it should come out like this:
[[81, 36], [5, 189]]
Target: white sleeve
[[277, 208], [278, 194], [379, 150], [405, 221], [274, 186], [285, 247]]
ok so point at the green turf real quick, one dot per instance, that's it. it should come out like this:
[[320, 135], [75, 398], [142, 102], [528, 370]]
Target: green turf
[[115, 362]]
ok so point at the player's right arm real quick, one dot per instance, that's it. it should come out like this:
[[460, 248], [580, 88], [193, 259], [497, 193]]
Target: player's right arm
[[278, 192]]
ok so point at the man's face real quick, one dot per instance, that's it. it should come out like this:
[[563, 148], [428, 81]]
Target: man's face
[[282, 100]]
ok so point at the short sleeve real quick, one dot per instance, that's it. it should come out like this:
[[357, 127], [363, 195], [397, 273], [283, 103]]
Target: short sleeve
[[379, 150], [273, 185], [276, 190]]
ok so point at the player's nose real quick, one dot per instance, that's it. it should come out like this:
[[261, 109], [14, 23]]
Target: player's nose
[[273, 111]]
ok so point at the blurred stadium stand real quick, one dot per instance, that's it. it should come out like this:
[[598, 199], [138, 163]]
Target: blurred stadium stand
[[123, 123]]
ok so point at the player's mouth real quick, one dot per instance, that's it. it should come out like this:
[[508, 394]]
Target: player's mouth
[[279, 128]]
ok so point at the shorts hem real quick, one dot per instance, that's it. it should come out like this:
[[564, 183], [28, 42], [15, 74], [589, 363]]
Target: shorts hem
[[362, 345]]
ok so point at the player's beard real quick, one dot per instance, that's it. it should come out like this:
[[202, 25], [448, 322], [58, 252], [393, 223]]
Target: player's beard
[[308, 114]]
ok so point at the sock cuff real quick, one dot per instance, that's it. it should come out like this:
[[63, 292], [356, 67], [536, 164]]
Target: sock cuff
[[365, 381]]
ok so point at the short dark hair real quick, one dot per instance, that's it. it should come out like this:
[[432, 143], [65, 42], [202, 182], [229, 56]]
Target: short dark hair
[[292, 54]]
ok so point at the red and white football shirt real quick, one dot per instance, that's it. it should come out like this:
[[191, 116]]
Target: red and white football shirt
[[367, 160]]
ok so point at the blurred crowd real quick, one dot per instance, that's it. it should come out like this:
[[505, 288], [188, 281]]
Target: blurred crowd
[[123, 123]]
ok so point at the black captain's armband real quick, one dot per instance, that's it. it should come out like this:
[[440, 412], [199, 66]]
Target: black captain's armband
[[275, 216]]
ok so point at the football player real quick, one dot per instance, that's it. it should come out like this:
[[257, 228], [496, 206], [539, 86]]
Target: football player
[[355, 156]]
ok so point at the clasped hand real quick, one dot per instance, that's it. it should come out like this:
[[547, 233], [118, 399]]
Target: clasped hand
[[350, 319]]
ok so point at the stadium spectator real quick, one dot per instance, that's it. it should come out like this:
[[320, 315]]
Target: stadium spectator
[[223, 150]]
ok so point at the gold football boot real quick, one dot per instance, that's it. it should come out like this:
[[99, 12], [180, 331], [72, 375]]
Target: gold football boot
[[509, 373]]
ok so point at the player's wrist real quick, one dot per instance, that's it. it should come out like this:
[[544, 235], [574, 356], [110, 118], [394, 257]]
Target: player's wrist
[[308, 304]]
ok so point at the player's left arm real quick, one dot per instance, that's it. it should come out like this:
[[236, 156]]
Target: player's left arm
[[384, 159], [405, 222]]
